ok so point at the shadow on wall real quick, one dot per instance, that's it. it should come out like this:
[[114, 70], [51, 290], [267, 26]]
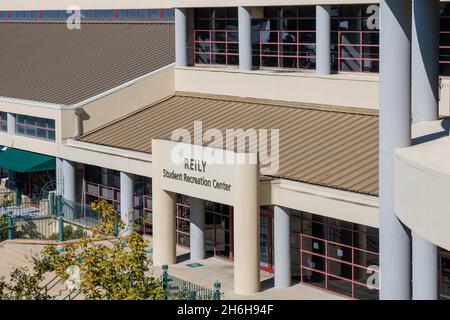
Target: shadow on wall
[[82, 117], [445, 124]]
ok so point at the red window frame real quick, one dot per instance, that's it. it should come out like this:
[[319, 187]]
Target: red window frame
[[36, 127], [211, 43], [361, 45], [279, 53], [270, 216], [101, 194], [230, 52], [327, 258]]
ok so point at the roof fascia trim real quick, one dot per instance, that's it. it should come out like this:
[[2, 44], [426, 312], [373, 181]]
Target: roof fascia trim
[[33, 103]]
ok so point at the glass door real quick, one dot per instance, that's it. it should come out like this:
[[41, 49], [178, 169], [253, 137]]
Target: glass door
[[444, 279], [266, 241]]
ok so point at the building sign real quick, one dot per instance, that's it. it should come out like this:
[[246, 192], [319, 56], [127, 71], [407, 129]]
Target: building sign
[[202, 172]]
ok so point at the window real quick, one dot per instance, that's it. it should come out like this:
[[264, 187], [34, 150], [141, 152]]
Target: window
[[35, 127], [216, 39], [168, 14], [286, 37], [444, 48], [154, 13], [355, 46], [102, 184], [3, 121], [444, 274], [335, 255], [91, 14]]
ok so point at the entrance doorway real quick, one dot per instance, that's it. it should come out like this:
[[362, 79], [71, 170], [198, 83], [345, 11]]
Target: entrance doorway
[[218, 227], [444, 275], [266, 240]]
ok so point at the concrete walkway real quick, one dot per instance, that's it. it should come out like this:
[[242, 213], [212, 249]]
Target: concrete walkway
[[216, 269]]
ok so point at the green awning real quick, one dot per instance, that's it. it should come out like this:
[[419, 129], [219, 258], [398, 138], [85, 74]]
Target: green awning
[[24, 161]]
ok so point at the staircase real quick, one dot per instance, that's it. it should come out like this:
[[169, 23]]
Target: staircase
[[15, 254]]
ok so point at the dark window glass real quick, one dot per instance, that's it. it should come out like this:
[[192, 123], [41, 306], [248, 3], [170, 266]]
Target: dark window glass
[[154, 13], [168, 13], [143, 13]]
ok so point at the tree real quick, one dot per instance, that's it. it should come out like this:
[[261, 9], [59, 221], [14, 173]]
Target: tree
[[111, 268]]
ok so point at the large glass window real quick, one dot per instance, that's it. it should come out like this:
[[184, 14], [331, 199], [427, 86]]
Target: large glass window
[[286, 37], [91, 14], [444, 275], [444, 49], [335, 255], [3, 121], [101, 184], [355, 44], [35, 127], [216, 39]]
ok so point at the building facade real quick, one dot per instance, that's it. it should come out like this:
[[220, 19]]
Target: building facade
[[352, 96]]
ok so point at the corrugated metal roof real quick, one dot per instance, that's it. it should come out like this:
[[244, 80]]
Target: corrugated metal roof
[[328, 146], [47, 62]]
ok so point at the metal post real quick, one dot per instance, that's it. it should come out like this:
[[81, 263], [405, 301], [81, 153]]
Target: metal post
[[59, 205], [116, 223], [60, 229], [17, 193], [52, 204], [60, 213], [217, 293], [192, 295], [165, 280], [10, 226]]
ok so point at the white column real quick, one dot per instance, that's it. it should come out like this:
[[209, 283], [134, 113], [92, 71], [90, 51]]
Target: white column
[[197, 229], [425, 60], [127, 201], [425, 95], [11, 123], [245, 38], [323, 40], [282, 248], [163, 214], [181, 37], [395, 132], [69, 191], [246, 231], [425, 269]]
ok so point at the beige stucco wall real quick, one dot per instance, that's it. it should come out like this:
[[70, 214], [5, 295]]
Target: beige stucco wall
[[156, 86], [107, 157], [332, 203], [352, 90], [422, 184], [345, 89]]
